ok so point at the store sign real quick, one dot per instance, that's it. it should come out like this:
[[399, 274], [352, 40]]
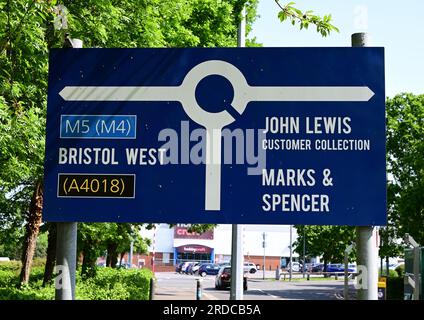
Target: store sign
[[183, 233], [219, 135], [194, 248]]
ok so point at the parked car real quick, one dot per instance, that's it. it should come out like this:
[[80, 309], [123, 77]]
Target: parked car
[[209, 269], [335, 268], [223, 279], [249, 267], [297, 267], [178, 267], [351, 267], [318, 267], [195, 268], [184, 267], [190, 267], [223, 264]]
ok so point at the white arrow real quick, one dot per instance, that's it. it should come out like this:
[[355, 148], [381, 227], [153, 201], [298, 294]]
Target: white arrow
[[214, 122], [257, 93]]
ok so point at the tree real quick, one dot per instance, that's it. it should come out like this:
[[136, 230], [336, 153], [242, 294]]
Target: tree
[[304, 19], [27, 31], [405, 159], [329, 242]]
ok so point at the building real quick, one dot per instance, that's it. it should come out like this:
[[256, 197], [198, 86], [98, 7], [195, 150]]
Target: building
[[171, 245]]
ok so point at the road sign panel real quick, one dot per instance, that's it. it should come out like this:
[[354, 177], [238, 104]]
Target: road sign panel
[[252, 135]]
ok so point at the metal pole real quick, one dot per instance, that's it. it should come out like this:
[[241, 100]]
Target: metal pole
[[152, 289], [66, 257], [346, 275], [291, 255], [199, 290], [304, 251], [154, 249], [131, 254], [66, 241], [237, 271], [365, 236], [264, 244], [417, 276]]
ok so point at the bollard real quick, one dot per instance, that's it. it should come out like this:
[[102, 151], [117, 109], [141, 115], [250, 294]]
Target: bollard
[[277, 274], [198, 290], [307, 276], [152, 289], [336, 276]]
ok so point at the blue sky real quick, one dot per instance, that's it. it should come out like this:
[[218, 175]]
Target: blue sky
[[393, 24]]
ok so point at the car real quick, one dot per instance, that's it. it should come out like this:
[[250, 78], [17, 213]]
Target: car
[[335, 268], [223, 279], [189, 269], [351, 267], [209, 269], [184, 267], [194, 268], [223, 264], [318, 267], [178, 267], [249, 267], [297, 267]]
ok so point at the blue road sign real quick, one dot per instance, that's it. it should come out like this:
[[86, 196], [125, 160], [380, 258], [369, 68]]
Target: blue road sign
[[223, 135]]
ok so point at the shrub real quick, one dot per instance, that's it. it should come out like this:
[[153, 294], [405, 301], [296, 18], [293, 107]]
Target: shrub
[[392, 273], [115, 284], [7, 278], [27, 293], [10, 266], [108, 284], [400, 270]]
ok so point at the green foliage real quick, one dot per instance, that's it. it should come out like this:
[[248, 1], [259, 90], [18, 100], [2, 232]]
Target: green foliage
[[115, 284], [7, 278], [13, 266], [405, 150], [392, 273], [304, 19], [329, 242], [26, 34], [108, 284], [400, 270]]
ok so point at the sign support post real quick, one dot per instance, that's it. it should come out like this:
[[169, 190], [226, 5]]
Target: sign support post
[[237, 257], [264, 245], [66, 243], [291, 254], [366, 236]]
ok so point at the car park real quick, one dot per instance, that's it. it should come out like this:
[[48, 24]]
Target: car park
[[223, 279], [209, 269]]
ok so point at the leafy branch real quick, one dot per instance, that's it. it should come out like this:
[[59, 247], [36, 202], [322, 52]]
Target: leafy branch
[[304, 19]]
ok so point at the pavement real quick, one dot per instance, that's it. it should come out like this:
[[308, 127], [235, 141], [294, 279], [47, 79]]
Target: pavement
[[173, 286]]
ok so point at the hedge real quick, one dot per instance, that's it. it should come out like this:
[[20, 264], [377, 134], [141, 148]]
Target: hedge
[[108, 284]]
